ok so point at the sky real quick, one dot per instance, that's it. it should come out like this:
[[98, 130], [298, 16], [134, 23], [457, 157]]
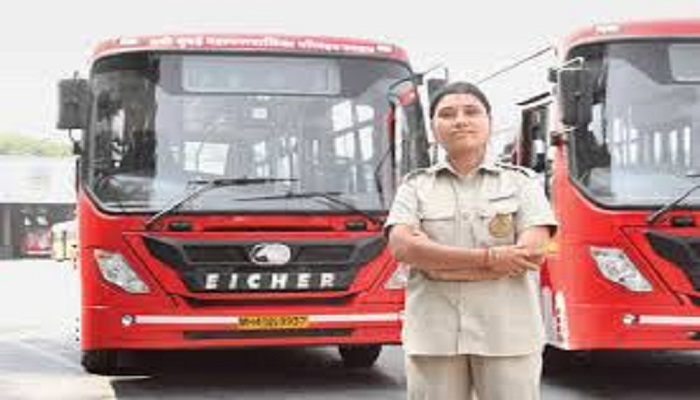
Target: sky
[[42, 41]]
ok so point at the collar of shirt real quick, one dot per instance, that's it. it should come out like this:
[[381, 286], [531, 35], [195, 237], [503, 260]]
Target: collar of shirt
[[444, 165]]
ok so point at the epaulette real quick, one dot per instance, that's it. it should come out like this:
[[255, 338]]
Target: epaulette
[[414, 173], [519, 168]]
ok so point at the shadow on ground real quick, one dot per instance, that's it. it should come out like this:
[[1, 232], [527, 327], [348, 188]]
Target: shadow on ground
[[260, 373], [635, 375]]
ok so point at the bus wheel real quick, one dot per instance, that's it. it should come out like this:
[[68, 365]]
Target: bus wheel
[[100, 362], [359, 356], [563, 361]]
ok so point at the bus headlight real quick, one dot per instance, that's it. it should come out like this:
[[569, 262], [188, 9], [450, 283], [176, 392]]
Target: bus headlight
[[616, 267], [399, 278], [116, 270]]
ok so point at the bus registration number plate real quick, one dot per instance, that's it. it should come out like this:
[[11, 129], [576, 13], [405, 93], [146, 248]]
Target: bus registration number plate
[[273, 322]]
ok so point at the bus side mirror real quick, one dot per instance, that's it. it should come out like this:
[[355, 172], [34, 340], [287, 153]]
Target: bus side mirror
[[575, 96], [539, 155], [73, 98], [435, 84]]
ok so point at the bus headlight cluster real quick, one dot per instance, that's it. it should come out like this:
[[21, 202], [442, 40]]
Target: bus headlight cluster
[[116, 270], [616, 267], [399, 278]]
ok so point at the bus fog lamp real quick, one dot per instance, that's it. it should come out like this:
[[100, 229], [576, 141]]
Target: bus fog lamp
[[629, 319], [127, 320]]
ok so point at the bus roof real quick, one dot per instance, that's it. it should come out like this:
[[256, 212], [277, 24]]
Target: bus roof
[[647, 29], [254, 43]]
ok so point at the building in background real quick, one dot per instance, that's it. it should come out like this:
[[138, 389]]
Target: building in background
[[35, 193]]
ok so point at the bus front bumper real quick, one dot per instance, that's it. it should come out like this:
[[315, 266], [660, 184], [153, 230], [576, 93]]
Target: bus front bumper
[[609, 327], [105, 328]]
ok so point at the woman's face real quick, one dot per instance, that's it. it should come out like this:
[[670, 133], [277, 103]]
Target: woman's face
[[461, 124]]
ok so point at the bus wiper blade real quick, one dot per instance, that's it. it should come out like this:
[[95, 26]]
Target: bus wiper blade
[[330, 196], [207, 185], [378, 179], [651, 219]]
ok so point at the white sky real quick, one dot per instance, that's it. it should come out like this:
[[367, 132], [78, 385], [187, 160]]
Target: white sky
[[44, 41]]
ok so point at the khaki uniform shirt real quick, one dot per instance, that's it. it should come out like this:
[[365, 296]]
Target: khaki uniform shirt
[[489, 207]]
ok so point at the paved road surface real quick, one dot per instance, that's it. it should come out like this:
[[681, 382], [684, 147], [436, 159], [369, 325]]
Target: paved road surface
[[39, 359]]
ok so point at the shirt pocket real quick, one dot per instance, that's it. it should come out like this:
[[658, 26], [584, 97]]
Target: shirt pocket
[[495, 223], [439, 223]]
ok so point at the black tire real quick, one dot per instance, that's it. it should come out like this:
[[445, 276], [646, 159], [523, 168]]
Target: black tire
[[359, 356], [564, 361], [101, 362]]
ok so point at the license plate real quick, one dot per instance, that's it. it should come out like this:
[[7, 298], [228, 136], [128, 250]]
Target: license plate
[[272, 322]]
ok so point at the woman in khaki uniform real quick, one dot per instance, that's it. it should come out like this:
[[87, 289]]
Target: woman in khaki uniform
[[473, 232]]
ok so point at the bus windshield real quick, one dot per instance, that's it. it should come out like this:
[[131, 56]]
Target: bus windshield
[[642, 147], [307, 124]]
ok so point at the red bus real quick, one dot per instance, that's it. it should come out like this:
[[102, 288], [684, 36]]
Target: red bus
[[617, 142], [232, 191]]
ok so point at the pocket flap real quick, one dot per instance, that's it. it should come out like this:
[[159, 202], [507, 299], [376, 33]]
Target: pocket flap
[[502, 205], [437, 215], [501, 195], [437, 211]]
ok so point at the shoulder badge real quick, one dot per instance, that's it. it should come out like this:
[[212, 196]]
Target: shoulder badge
[[416, 172], [519, 168]]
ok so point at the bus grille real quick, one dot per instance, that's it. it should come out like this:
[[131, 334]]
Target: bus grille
[[226, 266], [683, 251]]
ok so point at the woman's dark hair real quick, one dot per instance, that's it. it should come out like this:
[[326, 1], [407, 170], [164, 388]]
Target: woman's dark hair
[[458, 88]]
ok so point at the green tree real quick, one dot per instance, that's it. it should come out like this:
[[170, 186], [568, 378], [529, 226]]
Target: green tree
[[16, 144]]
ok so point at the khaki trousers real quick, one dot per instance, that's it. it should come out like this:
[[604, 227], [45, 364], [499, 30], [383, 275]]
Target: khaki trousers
[[471, 377]]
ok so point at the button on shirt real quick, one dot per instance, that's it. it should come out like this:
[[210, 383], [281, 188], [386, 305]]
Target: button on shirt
[[488, 207]]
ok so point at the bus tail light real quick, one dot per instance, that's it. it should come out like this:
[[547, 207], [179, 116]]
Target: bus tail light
[[616, 267], [116, 270]]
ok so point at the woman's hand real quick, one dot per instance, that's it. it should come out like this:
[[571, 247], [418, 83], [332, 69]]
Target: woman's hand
[[536, 239], [513, 260]]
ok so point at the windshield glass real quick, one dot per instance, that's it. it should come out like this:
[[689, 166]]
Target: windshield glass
[[315, 124], [644, 138]]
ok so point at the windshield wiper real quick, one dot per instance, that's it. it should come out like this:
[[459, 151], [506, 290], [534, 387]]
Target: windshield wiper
[[651, 219], [375, 174], [330, 196], [209, 185]]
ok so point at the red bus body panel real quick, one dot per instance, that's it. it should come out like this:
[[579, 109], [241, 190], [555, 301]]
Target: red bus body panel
[[584, 310], [171, 317], [594, 306]]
